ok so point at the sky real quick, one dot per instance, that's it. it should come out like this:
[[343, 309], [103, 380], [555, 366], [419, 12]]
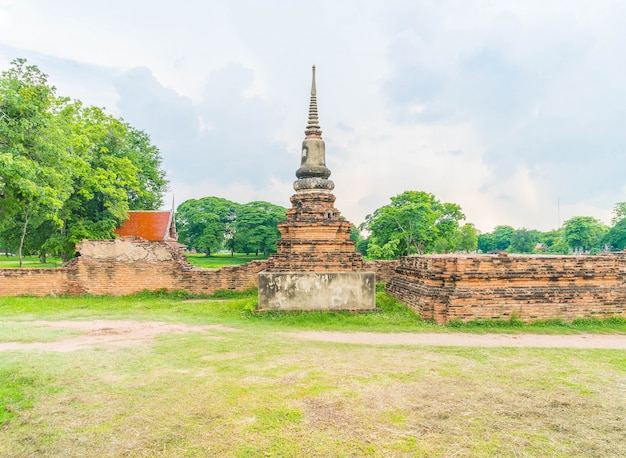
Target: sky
[[515, 110]]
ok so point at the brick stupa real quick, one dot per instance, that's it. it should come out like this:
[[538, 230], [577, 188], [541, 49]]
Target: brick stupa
[[316, 266]]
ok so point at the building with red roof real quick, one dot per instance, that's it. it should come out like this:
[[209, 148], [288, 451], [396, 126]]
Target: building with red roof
[[152, 225]]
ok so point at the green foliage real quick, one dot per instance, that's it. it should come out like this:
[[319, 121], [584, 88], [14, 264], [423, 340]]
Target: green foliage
[[616, 236], [523, 241], [213, 223], [256, 227], [204, 224], [502, 237], [486, 242], [67, 172], [466, 238], [619, 213], [411, 223], [584, 232]]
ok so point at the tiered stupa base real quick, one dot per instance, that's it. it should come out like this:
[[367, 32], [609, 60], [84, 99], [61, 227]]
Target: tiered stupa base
[[316, 266]]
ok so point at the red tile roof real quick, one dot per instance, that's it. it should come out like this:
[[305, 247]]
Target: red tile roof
[[149, 225]]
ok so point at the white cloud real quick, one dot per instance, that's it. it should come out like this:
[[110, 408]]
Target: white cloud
[[500, 106]]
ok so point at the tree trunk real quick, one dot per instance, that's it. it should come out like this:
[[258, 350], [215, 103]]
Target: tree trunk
[[22, 237]]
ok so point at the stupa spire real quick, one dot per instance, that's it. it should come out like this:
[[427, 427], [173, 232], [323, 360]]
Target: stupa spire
[[313, 173], [313, 129]]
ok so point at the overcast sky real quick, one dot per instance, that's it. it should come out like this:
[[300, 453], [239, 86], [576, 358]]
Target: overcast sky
[[515, 110]]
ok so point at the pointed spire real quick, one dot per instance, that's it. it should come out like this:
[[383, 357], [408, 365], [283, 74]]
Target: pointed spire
[[313, 129]]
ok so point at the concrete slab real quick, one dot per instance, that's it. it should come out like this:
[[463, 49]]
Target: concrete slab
[[355, 291]]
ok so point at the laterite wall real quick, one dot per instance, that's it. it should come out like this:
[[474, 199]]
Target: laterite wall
[[125, 266], [444, 288]]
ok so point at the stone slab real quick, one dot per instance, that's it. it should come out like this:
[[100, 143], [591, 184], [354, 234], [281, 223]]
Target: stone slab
[[354, 291]]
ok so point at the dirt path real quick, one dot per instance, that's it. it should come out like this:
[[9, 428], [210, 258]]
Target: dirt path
[[112, 334], [106, 334], [470, 340]]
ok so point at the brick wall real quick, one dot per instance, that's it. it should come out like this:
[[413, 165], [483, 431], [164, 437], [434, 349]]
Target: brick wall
[[384, 270], [126, 266], [444, 288]]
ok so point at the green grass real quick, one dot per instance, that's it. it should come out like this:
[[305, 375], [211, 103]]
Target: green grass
[[28, 262], [251, 387], [217, 261]]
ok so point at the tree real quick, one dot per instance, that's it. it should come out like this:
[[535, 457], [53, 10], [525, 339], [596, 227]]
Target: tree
[[583, 232], [619, 213], [467, 238], [413, 220], [256, 226], [616, 236], [523, 241], [67, 172], [502, 237], [35, 162], [204, 224], [486, 242]]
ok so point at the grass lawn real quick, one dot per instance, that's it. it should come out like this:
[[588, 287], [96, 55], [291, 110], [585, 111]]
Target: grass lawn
[[250, 387], [219, 260], [11, 262]]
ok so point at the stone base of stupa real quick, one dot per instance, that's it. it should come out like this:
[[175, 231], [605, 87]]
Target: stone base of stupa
[[317, 291]]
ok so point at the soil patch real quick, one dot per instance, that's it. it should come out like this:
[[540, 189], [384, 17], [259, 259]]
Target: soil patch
[[107, 334], [612, 341]]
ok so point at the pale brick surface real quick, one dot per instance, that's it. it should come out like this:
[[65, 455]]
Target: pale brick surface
[[444, 288]]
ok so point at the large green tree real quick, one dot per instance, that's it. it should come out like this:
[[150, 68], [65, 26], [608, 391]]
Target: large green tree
[[467, 238], [619, 213], [206, 224], [584, 233], [35, 159], [411, 223], [523, 241], [256, 227], [67, 172], [616, 236]]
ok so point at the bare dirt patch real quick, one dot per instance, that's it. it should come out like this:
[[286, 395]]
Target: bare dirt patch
[[109, 334], [469, 340], [114, 334]]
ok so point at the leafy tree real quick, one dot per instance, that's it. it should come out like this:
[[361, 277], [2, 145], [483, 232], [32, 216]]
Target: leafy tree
[[486, 242], [583, 232], [204, 224], [502, 237], [523, 241], [35, 162], [256, 226], [467, 238], [616, 236], [413, 221], [67, 172], [619, 213]]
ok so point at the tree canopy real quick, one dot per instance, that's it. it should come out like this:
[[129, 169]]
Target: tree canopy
[[412, 223], [67, 172], [213, 223]]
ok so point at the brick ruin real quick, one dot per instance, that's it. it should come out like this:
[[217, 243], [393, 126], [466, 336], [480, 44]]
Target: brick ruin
[[438, 287], [527, 287], [127, 266], [316, 266]]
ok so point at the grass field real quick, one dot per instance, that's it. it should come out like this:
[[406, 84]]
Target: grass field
[[219, 260], [250, 387], [11, 262]]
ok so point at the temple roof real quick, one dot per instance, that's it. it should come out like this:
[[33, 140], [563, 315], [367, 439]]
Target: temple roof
[[149, 225]]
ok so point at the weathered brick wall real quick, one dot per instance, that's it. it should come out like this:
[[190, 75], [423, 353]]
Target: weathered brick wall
[[33, 282], [125, 266], [384, 270], [445, 287]]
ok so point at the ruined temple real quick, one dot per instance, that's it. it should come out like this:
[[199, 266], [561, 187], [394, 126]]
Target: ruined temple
[[316, 265]]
